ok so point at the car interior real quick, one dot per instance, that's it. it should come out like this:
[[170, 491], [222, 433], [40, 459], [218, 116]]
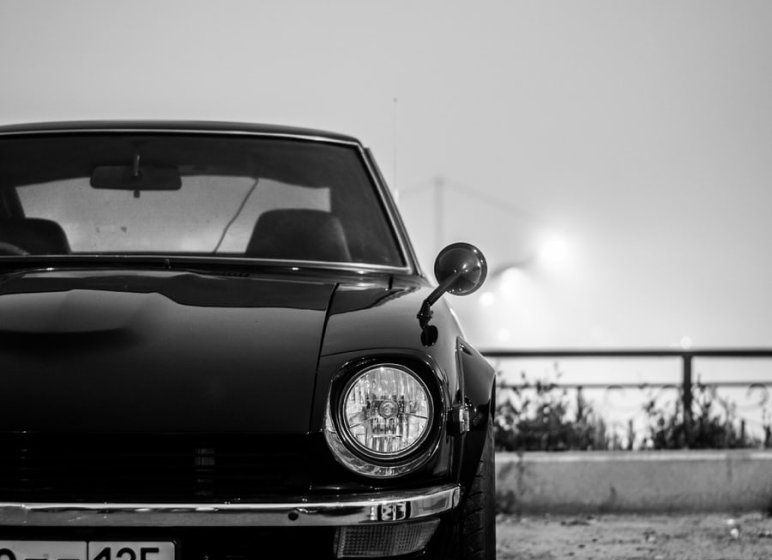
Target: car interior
[[299, 234], [34, 235]]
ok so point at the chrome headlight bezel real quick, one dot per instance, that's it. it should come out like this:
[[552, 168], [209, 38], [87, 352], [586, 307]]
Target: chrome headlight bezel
[[344, 425], [351, 453]]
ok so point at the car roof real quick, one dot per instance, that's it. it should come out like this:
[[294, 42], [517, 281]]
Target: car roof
[[217, 127]]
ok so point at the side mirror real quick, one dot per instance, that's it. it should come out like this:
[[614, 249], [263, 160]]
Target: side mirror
[[460, 269]]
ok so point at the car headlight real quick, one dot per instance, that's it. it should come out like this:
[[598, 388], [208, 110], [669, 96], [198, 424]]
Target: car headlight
[[381, 417], [386, 411]]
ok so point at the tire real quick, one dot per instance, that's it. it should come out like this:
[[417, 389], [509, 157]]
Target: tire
[[476, 528]]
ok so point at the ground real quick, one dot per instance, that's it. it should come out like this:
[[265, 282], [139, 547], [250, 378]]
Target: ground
[[635, 537]]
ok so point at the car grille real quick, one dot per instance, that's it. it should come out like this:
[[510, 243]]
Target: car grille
[[157, 468]]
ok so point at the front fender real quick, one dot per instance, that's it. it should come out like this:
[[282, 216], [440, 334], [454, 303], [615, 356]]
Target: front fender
[[477, 379]]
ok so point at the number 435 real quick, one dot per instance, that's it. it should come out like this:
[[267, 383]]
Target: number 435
[[128, 553]]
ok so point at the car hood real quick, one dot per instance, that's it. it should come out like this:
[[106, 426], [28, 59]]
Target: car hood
[[142, 352]]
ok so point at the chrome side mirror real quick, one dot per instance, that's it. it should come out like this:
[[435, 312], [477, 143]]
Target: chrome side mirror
[[460, 269]]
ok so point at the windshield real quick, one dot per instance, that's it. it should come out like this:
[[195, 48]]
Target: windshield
[[195, 195]]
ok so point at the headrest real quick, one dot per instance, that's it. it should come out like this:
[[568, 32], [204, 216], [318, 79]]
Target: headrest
[[35, 235], [308, 235]]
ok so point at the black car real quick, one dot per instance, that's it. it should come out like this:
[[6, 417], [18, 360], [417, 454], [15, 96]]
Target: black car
[[216, 343]]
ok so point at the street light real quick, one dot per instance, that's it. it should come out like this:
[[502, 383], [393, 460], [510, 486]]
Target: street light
[[520, 287], [442, 187], [553, 251]]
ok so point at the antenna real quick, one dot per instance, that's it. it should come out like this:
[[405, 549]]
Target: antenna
[[395, 189]]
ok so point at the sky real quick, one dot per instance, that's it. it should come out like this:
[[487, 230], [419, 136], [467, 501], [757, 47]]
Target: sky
[[612, 159]]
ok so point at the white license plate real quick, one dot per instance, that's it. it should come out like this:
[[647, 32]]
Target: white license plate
[[81, 550]]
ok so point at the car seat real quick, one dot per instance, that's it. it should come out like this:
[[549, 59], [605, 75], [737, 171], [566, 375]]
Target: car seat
[[37, 236], [308, 235]]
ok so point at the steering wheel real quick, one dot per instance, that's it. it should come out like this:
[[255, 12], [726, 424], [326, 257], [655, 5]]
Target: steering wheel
[[11, 249]]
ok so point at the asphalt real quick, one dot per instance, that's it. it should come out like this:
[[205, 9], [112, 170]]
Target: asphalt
[[635, 537]]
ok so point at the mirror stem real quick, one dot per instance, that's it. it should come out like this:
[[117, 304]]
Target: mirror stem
[[425, 314]]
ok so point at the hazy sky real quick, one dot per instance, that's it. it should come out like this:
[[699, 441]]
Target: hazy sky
[[639, 132]]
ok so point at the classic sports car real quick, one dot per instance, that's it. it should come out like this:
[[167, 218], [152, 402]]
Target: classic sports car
[[216, 343]]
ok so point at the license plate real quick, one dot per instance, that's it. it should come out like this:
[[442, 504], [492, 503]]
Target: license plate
[[81, 550]]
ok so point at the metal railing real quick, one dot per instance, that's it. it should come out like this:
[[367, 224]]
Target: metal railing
[[687, 382]]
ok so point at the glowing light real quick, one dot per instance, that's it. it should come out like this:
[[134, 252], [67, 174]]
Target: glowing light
[[503, 335], [511, 275], [686, 342], [554, 250], [513, 282]]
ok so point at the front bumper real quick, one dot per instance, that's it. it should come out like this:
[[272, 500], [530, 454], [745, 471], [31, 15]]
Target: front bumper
[[356, 509]]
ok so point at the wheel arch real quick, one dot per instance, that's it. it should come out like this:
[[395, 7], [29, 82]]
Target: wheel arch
[[477, 392]]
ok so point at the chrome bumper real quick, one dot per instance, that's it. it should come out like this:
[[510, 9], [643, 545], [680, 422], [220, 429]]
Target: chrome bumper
[[343, 510]]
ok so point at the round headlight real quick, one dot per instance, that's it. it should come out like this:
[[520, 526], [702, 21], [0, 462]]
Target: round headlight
[[386, 411]]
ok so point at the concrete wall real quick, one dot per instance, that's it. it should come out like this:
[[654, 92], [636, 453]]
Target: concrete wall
[[637, 481]]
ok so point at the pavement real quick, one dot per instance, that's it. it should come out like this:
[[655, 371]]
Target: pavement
[[692, 536]]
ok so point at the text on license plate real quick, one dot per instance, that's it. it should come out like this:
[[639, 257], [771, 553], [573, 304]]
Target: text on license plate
[[81, 550]]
